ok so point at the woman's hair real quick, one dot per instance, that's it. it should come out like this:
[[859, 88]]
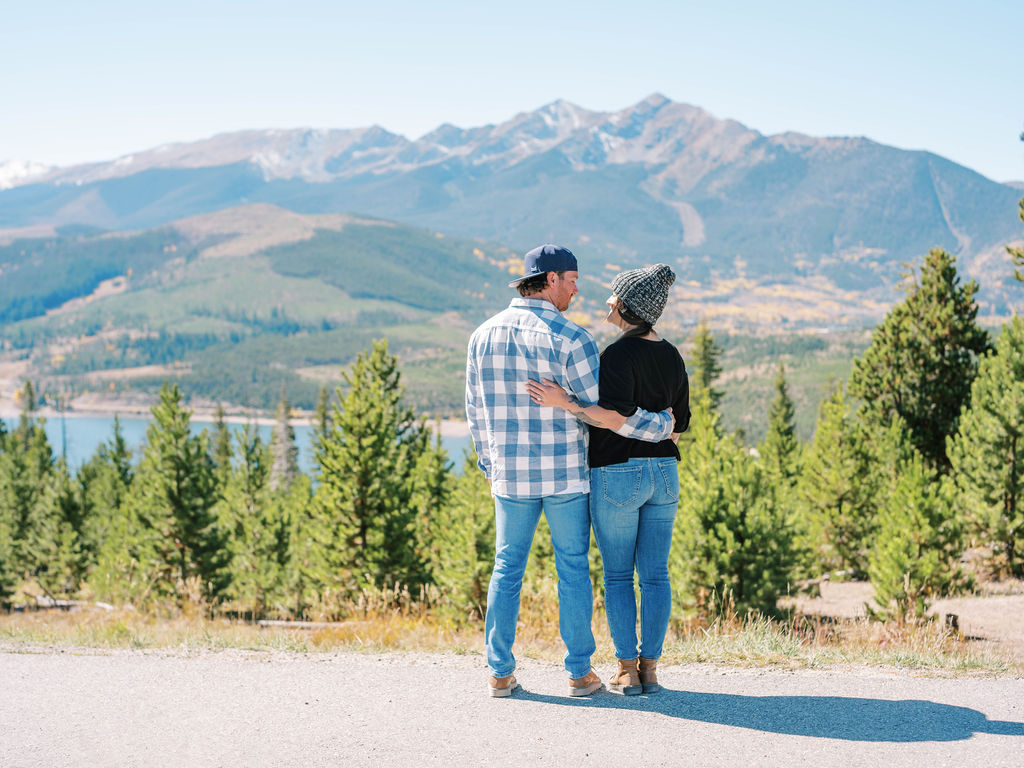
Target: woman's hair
[[640, 327]]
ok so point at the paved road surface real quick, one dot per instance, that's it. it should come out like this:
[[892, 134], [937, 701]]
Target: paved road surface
[[141, 708]]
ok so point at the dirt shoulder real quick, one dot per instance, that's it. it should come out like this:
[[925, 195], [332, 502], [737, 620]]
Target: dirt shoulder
[[992, 620]]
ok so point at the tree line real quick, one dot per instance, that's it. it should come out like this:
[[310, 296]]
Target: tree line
[[913, 461]]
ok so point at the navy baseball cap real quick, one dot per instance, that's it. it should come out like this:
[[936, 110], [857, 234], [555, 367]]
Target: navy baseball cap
[[546, 258]]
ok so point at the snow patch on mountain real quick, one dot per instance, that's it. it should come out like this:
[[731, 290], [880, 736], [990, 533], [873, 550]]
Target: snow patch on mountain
[[14, 173]]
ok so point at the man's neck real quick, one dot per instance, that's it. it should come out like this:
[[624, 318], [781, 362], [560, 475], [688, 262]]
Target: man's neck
[[543, 296]]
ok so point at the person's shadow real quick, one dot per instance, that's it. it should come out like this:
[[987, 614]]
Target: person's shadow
[[827, 717]]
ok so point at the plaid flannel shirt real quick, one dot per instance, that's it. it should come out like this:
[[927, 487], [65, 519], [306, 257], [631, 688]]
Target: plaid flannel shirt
[[527, 450]]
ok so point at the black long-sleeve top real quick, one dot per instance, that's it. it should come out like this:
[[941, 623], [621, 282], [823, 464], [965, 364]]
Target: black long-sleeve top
[[638, 372]]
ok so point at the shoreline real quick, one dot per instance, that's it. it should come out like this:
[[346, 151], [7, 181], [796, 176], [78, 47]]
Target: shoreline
[[9, 410]]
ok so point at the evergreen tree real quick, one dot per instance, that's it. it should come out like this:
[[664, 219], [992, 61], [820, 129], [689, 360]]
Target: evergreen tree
[[431, 489], [28, 399], [366, 461], [987, 453], [221, 444], [706, 368], [62, 562], [275, 548], [918, 546], [780, 451], [285, 467], [8, 568], [26, 475], [835, 490], [173, 495], [923, 358], [322, 414], [731, 545], [244, 512], [463, 556], [103, 483], [306, 537]]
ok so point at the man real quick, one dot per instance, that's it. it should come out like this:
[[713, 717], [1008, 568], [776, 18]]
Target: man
[[536, 457]]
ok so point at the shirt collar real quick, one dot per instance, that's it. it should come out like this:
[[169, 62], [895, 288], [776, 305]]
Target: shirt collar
[[541, 304]]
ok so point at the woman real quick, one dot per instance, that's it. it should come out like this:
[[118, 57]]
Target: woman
[[634, 486]]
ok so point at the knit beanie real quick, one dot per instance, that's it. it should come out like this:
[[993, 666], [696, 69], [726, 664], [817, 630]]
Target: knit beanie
[[644, 291]]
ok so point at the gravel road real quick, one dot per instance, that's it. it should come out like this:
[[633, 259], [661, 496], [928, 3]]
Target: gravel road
[[232, 708]]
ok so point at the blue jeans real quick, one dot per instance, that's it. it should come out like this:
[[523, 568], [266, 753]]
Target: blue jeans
[[633, 506], [515, 523]]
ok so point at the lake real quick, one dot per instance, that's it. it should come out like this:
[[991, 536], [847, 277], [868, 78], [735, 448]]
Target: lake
[[79, 436]]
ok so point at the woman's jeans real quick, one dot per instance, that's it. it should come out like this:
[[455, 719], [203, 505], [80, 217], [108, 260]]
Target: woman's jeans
[[633, 508], [516, 521]]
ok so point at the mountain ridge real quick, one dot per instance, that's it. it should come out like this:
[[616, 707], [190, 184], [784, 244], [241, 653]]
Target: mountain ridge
[[270, 148], [656, 181]]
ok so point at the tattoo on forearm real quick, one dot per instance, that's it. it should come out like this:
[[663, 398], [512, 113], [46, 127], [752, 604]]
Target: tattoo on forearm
[[577, 409]]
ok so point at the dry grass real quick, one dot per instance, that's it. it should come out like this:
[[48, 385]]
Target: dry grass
[[381, 623]]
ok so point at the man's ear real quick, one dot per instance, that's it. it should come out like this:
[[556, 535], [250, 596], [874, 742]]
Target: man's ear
[[552, 278]]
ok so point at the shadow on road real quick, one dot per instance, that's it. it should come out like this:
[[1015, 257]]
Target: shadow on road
[[826, 717]]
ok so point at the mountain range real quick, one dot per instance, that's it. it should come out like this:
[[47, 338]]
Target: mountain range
[[258, 260], [657, 181]]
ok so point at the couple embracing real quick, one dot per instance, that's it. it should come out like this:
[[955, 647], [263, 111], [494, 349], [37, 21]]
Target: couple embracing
[[585, 439]]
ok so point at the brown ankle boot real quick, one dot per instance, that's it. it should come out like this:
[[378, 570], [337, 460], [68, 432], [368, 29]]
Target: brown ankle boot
[[648, 670], [627, 680], [586, 685]]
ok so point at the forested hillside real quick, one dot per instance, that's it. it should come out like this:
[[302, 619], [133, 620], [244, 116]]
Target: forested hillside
[[913, 459], [235, 305]]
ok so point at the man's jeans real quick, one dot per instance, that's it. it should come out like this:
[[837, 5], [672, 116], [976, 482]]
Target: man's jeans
[[633, 506], [516, 521]]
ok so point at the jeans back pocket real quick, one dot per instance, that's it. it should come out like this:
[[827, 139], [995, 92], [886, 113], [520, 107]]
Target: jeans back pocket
[[620, 484], [669, 471]]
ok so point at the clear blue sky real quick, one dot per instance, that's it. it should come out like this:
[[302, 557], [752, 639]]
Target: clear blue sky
[[83, 81]]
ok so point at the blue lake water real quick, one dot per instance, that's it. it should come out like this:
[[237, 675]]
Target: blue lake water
[[78, 438]]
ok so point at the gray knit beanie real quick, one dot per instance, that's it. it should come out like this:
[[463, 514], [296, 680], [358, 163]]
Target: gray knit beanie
[[644, 291]]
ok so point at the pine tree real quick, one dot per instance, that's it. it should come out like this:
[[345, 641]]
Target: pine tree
[[173, 496], [285, 467], [365, 465], [275, 548], [8, 570], [103, 483], [245, 512], [303, 547], [987, 453], [780, 450], [731, 545], [322, 414], [26, 475], [918, 545], [28, 399], [221, 444], [431, 489], [62, 561], [706, 368], [923, 358], [835, 490], [462, 560]]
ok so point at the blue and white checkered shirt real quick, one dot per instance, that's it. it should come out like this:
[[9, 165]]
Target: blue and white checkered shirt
[[527, 450]]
